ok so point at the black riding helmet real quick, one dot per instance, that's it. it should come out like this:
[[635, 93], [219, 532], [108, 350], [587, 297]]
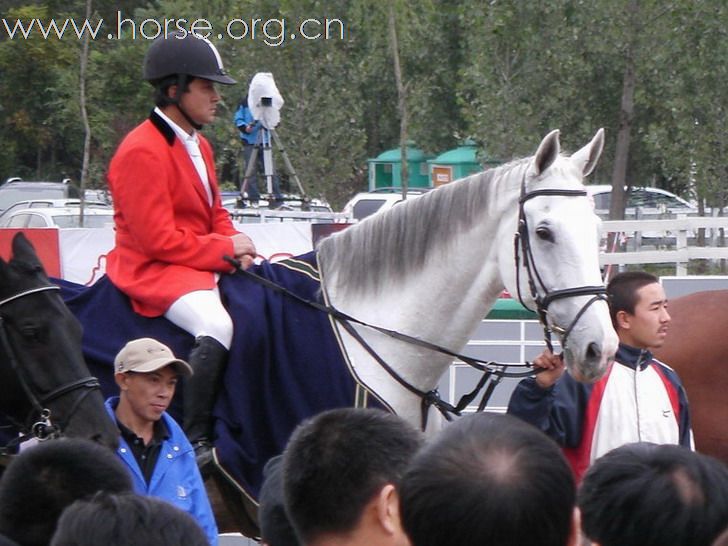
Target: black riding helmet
[[184, 53]]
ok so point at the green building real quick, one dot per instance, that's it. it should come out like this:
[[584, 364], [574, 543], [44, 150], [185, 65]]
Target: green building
[[385, 171]]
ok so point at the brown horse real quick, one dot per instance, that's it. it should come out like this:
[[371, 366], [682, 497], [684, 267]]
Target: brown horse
[[697, 347]]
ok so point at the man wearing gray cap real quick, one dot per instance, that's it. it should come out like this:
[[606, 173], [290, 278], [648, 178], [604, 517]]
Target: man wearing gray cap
[[153, 446]]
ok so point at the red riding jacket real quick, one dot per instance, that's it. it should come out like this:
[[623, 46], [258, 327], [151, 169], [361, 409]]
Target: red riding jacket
[[169, 240]]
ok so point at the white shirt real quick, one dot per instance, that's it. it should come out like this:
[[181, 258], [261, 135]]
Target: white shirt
[[192, 145]]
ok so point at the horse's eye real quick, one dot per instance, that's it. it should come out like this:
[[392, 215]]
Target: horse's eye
[[545, 234]]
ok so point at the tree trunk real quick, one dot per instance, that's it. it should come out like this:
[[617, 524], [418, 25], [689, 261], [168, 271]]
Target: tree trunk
[[84, 115], [626, 115], [402, 103]]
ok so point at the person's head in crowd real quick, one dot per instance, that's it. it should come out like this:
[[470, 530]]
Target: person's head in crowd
[[44, 479], [341, 470], [490, 479], [126, 519], [654, 495], [275, 526]]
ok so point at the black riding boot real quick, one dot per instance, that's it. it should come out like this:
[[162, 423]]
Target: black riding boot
[[208, 359]]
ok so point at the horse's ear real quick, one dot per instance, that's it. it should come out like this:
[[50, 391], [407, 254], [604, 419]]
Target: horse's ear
[[3, 266], [23, 250], [586, 158], [546, 154]]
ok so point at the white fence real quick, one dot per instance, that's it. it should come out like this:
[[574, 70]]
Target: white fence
[[669, 241]]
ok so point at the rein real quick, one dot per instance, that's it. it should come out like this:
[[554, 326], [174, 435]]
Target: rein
[[522, 239], [43, 428], [492, 371]]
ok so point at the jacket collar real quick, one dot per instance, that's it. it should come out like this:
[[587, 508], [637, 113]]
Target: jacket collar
[[163, 127], [161, 427], [633, 357]]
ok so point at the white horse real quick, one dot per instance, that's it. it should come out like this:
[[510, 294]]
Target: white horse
[[432, 267]]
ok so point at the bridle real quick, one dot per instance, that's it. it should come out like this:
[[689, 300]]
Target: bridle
[[535, 283], [42, 426]]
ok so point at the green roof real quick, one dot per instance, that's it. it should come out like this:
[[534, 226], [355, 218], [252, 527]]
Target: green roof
[[394, 156], [467, 153]]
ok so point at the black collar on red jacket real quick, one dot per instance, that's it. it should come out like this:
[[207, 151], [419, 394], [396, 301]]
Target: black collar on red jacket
[[633, 356], [163, 127]]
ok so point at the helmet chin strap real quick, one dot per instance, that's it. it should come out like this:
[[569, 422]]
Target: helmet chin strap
[[177, 100]]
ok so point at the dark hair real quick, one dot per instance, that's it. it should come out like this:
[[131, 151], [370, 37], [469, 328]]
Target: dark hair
[[488, 479], [654, 495], [275, 526], [126, 520], [161, 98], [622, 291], [337, 462], [44, 479]]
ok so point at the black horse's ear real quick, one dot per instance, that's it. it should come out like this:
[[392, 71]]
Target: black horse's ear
[[23, 250], [3, 266]]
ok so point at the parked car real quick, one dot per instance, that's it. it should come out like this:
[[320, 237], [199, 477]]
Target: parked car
[[49, 203], [651, 202], [62, 217], [103, 196], [645, 203], [367, 203], [16, 189]]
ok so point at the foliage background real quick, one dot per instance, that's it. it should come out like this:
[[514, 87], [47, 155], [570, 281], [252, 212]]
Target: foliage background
[[501, 72]]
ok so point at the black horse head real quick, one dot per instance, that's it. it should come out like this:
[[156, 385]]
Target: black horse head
[[44, 380]]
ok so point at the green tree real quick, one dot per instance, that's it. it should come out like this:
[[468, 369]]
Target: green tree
[[31, 71]]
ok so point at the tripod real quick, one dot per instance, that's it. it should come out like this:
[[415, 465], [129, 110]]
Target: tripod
[[264, 144]]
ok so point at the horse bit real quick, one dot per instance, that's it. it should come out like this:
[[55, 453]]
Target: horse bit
[[598, 293], [43, 428]]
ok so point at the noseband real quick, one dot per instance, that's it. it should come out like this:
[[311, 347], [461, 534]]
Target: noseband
[[43, 428], [535, 283]]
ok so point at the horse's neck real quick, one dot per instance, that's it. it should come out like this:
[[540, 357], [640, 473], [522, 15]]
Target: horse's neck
[[442, 301]]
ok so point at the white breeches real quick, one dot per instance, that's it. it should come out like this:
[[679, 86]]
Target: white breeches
[[201, 313]]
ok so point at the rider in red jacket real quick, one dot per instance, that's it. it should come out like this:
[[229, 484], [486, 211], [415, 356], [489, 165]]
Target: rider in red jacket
[[171, 229]]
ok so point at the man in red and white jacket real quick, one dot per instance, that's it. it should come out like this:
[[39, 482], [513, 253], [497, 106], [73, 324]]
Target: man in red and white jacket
[[639, 399]]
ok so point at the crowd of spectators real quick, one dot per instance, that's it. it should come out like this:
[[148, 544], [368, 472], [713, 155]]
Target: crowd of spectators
[[356, 477]]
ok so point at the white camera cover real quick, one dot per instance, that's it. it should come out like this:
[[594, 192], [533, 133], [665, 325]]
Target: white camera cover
[[262, 86]]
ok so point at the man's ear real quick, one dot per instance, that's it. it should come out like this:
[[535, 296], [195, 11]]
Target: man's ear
[[575, 536], [388, 509], [121, 379], [623, 320], [172, 91]]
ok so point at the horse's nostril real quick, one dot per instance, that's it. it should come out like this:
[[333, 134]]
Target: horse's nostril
[[593, 351]]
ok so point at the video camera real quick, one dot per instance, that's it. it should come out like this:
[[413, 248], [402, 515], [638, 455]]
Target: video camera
[[264, 100]]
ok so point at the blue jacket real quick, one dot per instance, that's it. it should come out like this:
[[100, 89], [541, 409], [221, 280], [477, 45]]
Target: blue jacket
[[176, 477], [243, 117], [638, 399]]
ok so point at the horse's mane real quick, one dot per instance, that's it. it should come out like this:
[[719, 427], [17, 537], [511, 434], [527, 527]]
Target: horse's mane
[[399, 241]]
